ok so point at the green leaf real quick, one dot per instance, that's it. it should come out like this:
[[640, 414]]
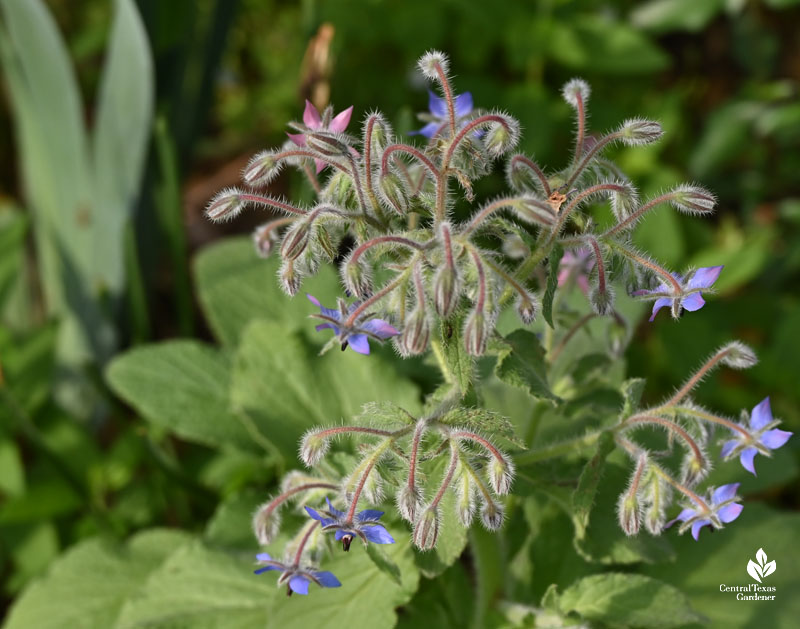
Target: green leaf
[[521, 363], [483, 421], [235, 287], [552, 283], [584, 495], [285, 388], [124, 112], [632, 390], [459, 365], [661, 16], [628, 600], [384, 563], [13, 227], [383, 414], [89, 584], [198, 587], [182, 386]]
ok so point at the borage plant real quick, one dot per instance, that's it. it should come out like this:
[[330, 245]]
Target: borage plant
[[426, 267]]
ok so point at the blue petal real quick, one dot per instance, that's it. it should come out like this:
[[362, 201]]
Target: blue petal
[[377, 534], [728, 447], [775, 438], [746, 458], [323, 520], [705, 277], [327, 579], [380, 328], [730, 512], [693, 302], [298, 583], [369, 514], [340, 533], [437, 105], [429, 130], [265, 569], [359, 343], [463, 104], [697, 526], [659, 304], [725, 492], [333, 509], [263, 557], [761, 415]]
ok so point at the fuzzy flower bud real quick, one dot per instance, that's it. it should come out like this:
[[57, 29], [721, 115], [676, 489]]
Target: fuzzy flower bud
[[416, 333], [693, 199], [357, 278], [738, 356], [261, 169], [290, 278], [501, 138], [393, 193], [426, 529], [266, 523], [694, 468], [574, 89], [380, 133], [327, 145], [339, 191], [265, 237], [446, 291], [628, 513], [225, 205], [409, 502], [476, 333], [527, 308], [465, 501], [501, 474], [602, 301], [624, 202], [492, 515], [295, 240], [431, 62], [638, 131], [313, 447]]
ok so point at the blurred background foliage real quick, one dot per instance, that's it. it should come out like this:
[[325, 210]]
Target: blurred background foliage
[[224, 77]]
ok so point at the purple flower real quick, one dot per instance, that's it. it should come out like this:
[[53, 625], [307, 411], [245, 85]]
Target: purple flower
[[365, 525], [577, 265], [437, 119], [297, 579], [764, 437], [356, 336], [315, 122], [690, 297], [722, 508]]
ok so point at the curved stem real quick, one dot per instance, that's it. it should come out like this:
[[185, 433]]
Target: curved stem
[[601, 269], [270, 202], [556, 352], [669, 425], [299, 554], [448, 96], [448, 477], [388, 288], [716, 419], [536, 171], [465, 434], [376, 455], [311, 155], [701, 373], [642, 261], [484, 212], [601, 144], [635, 216], [581, 119], [480, 302], [379, 240], [415, 152]]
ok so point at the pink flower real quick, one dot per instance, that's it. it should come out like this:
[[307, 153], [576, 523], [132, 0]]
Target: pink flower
[[316, 122]]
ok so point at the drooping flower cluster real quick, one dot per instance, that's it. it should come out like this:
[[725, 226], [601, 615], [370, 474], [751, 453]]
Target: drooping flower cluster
[[417, 272]]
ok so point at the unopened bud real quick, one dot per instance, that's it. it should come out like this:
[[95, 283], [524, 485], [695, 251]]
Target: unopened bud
[[357, 278], [476, 333], [426, 529], [492, 515], [694, 469], [465, 502], [261, 169], [431, 62], [738, 356], [409, 502], [515, 248], [327, 145], [313, 447], [637, 131], [295, 240], [265, 237], [290, 278], [527, 308], [416, 333], [325, 243], [446, 291], [380, 133], [225, 205], [624, 202], [654, 519], [501, 138], [393, 193], [693, 199], [501, 474], [340, 190], [575, 89], [628, 513], [602, 301], [266, 523]]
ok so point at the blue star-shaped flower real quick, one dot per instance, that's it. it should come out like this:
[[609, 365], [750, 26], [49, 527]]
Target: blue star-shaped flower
[[722, 509], [437, 119], [690, 297], [297, 579], [765, 437], [365, 525], [356, 336]]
